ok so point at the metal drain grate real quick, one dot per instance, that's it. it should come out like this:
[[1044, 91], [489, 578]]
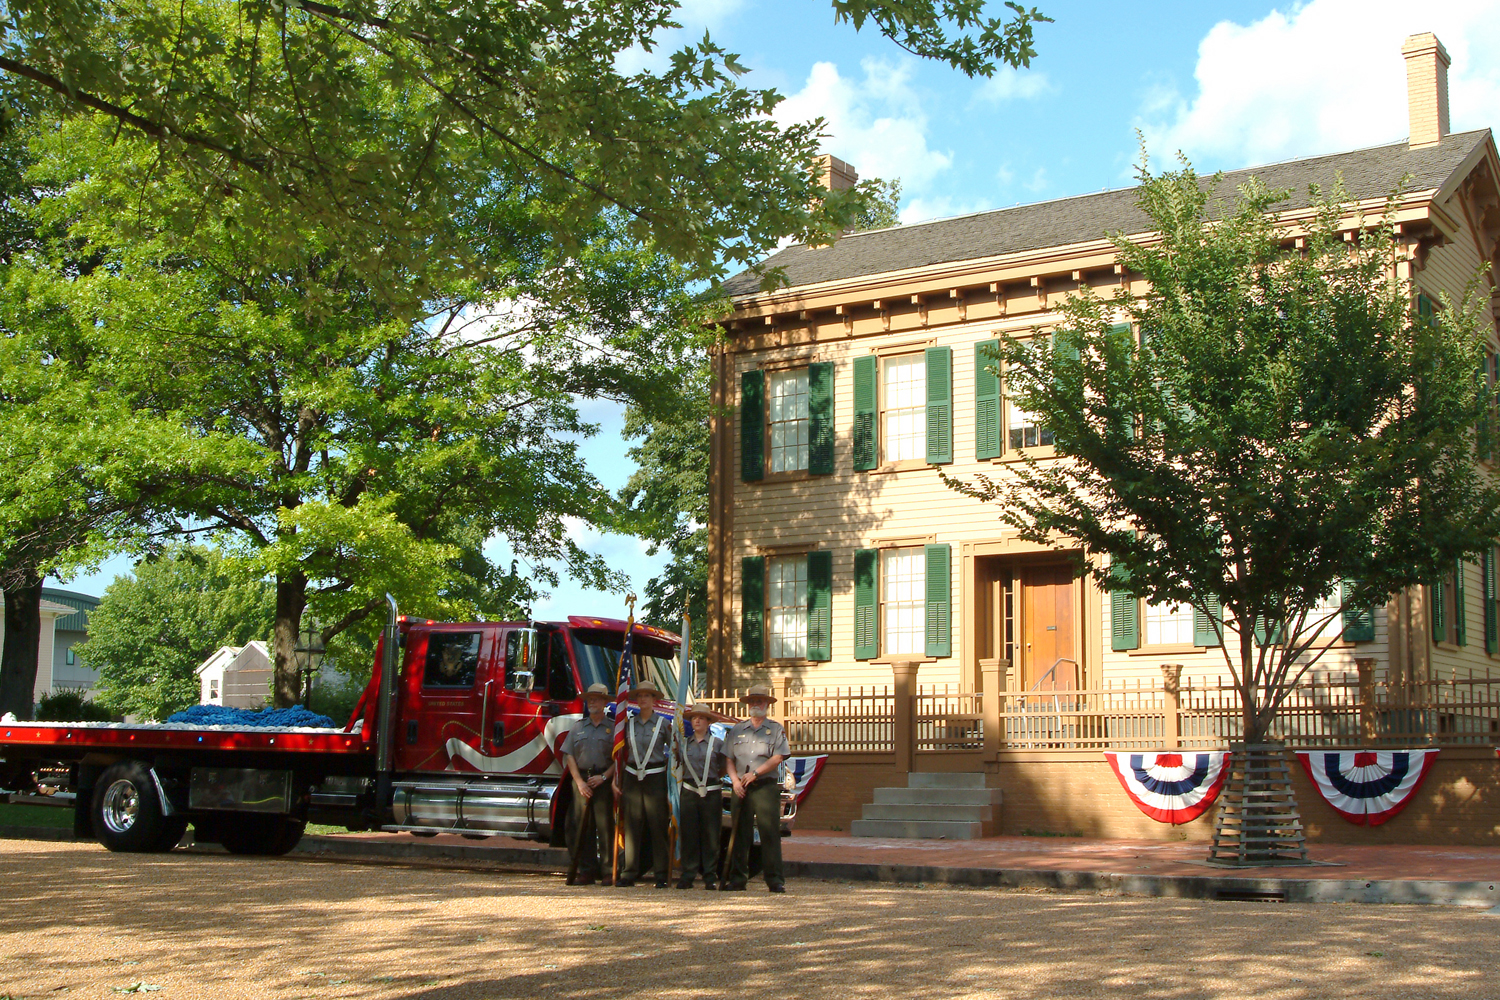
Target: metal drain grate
[[1250, 895]]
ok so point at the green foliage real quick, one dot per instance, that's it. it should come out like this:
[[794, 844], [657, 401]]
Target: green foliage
[[666, 499], [336, 699], [363, 120], [1285, 422], [883, 210], [152, 630], [70, 705]]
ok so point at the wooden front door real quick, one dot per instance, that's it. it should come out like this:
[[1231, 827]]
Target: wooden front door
[[1047, 623]]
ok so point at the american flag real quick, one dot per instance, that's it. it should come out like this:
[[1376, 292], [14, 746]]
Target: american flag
[[627, 681]]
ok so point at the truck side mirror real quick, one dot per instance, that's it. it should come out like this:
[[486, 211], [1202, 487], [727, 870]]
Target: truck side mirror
[[520, 659]]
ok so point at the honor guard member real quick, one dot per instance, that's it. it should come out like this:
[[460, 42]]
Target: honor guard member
[[645, 809], [586, 752], [755, 750], [701, 803]]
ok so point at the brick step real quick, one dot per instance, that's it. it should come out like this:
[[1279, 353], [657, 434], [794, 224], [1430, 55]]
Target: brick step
[[916, 829], [936, 779], [924, 811], [938, 796]]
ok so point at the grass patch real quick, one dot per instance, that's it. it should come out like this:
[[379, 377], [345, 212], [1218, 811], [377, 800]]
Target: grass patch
[[1049, 833], [14, 815], [323, 831]]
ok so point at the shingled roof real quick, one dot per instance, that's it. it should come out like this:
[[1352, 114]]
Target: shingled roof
[[1367, 173]]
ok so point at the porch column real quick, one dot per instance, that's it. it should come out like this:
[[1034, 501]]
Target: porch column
[[904, 673], [991, 674], [780, 688]]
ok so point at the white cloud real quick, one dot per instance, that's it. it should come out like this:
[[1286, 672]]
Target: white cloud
[[1009, 84], [696, 17], [1323, 76], [939, 207], [876, 123]]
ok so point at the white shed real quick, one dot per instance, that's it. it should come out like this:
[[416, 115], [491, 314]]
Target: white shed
[[239, 677]]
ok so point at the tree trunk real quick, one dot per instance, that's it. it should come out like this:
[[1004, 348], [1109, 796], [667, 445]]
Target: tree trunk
[[291, 599], [18, 660]]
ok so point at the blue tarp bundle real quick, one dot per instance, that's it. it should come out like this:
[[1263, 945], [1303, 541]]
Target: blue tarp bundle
[[278, 718]]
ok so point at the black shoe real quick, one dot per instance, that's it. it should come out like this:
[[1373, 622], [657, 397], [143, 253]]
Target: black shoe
[[662, 883], [684, 883], [583, 880], [733, 887], [625, 883], [606, 880], [710, 884], [776, 888]]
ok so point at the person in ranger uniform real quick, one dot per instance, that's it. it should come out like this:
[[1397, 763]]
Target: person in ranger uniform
[[701, 804], [755, 750], [645, 810], [586, 753]]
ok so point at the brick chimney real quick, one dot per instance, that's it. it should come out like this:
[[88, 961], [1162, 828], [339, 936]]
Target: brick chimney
[[836, 175], [1426, 89]]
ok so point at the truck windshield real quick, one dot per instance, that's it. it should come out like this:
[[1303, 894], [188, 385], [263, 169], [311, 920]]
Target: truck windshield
[[598, 655]]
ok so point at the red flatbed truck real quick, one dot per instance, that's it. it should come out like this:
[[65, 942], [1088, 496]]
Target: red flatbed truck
[[464, 738]]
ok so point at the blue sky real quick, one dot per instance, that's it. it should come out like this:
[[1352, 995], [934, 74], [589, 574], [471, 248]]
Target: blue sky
[[1230, 84]]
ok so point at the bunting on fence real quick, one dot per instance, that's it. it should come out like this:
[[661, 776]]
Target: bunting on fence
[[1171, 787], [805, 772], [1367, 787]]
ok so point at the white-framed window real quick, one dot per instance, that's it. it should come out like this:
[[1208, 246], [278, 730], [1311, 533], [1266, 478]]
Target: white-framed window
[[786, 607], [213, 689], [1168, 624], [904, 399], [1328, 607], [903, 604], [71, 657], [787, 420], [1024, 429]]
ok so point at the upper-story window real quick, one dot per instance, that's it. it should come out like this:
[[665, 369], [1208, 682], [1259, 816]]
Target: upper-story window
[[1024, 429], [787, 420], [904, 399], [1169, 624]]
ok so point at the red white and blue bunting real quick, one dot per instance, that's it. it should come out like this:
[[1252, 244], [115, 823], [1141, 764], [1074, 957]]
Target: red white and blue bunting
[[805, 772], [1171, 787], [1367, 787]]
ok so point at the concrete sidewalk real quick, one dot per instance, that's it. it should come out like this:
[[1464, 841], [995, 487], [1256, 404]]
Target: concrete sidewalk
[[1463, 876]]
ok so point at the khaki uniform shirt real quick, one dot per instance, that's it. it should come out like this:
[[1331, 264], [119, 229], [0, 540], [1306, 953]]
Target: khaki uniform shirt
[[638, 736], [750, 748], [695, 755], [589, 744]]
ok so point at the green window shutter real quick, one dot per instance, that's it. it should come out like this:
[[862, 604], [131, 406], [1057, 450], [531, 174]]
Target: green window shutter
[[1065, 345], [939, 406], [866, 438], [1206, 627], [1424, 307], [1460, 611], [752, 609], [1121, 332], [866, 593], [1265, 635], [986, 399], [1491, 613], [1359, 623], [1435, 610], [820, 418], [1124, 615], [939, 587], [820, 605], [753, 426]]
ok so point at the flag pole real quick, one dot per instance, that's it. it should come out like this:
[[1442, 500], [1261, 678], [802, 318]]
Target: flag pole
[[619, 760]]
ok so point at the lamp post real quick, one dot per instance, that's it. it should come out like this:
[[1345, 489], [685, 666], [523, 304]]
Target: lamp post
[[309, 653]]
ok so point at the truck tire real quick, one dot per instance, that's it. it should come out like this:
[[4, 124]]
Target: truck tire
[[127, 813], [266, 836]]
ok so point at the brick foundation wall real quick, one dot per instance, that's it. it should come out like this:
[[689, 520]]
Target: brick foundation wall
[[1074, 792]]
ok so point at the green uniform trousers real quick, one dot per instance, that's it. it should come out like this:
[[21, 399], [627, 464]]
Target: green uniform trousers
[[645, 813], [595, 851], [761, 807], [702, 820]]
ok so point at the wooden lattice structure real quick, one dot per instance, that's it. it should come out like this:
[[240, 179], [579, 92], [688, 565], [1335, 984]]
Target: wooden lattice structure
[[1258, 823]]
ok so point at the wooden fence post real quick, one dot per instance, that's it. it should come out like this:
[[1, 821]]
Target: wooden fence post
[[1171, 682], [990, 678], [1367, 728], [905, 674], [780, 687]]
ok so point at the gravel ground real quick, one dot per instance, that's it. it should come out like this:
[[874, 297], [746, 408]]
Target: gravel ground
[[82, 922]]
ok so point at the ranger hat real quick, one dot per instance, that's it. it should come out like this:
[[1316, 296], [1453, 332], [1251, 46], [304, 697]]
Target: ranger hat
[[600, 689], [758, 691], [645, 686], [702, 710]]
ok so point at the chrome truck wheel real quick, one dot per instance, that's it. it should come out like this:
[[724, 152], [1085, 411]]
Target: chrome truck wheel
[[127, 814]]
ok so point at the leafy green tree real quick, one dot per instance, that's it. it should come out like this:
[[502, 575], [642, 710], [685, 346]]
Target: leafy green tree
[[1287, 423], [152, 630], [883, 210], [286, 105]]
